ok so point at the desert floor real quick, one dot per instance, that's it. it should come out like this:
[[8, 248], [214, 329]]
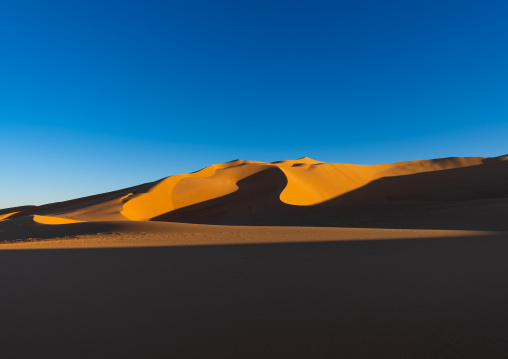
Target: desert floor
[[193, 291]]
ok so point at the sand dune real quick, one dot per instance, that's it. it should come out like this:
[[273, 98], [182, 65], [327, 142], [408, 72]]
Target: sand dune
[[183, 190], [302, 192]]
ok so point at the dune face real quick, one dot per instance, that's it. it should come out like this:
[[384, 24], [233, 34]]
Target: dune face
[[316, 183], [184, 190], [300, 192]]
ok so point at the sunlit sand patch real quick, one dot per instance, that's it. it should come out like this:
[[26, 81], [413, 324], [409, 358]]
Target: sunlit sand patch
[[54, 220], [7, 215]]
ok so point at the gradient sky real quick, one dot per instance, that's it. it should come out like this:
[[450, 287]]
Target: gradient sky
[[100, 95]]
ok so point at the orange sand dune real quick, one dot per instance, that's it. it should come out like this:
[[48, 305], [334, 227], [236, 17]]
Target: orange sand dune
[[310, 184], [184, 190], [297, 192]]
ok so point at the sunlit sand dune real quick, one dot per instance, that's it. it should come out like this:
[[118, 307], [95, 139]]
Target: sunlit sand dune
[[184, 190], [310, 184], [298, 192]]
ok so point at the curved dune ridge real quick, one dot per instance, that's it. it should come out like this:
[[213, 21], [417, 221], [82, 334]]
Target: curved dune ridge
[[183, 190], [223, 193]]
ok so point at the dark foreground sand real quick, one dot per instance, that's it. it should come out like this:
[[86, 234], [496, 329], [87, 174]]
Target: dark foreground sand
[[436, 297]]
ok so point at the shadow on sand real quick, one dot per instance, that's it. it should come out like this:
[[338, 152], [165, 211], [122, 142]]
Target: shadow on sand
[[411, 298]]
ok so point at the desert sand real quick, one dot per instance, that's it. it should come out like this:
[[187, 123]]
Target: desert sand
[[289, 259]]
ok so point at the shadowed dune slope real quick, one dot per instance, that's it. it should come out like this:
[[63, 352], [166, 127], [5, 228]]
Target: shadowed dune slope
[[304, 192]]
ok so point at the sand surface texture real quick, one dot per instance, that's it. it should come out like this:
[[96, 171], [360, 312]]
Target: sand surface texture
[[291, 259]]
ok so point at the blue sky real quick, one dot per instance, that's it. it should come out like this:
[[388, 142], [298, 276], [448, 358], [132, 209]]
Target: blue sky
[[101, 95]]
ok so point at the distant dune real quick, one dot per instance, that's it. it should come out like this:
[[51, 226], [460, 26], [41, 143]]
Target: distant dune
[[450, 193]]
